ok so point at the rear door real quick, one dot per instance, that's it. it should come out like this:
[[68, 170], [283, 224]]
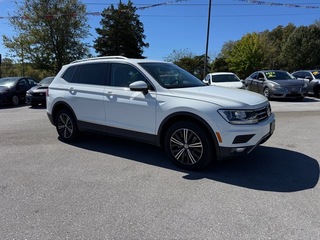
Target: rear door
[[85, 92]]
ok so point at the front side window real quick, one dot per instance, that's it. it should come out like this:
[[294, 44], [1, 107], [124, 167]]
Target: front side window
[[122, 75], [169, 75]]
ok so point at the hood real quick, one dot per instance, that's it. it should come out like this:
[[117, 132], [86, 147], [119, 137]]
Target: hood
[[289, 83], [222, 96], [39, 87], [3, 88]]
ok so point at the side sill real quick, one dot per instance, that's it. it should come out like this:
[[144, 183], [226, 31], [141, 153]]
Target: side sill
[[117, 132]]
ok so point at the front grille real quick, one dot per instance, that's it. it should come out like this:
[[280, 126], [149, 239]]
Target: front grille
[[294, 88], [263, 113], [42, 94]]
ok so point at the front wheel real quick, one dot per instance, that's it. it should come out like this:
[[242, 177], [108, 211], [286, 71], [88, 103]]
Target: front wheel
[[188, 146], [266, 93], [66, 126], [317, 91]]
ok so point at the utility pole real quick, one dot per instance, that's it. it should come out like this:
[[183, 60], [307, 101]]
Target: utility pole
[[207, 43]]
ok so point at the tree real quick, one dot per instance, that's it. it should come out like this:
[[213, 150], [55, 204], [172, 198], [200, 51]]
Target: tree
[[302, 50], [247, 55], [176, 55], [49, 33], [194, 65], [274, 41], [121, 32]]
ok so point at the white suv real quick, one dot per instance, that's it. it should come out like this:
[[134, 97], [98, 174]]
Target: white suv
[[158, 103]]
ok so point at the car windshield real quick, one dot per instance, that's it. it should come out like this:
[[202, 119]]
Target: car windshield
[[278, 75], [46, 81], [225, 78], [169, 75], [7, 82]]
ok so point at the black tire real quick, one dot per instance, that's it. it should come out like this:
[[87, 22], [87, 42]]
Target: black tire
[[266, 93], [15, 100], [188, 146], [66, 126], [317, 91]]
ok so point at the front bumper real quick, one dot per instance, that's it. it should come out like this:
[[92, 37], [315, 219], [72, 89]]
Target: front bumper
[[247, 142], [287, 94]]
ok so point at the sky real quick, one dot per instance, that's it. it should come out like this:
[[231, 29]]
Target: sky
[[182, 25]]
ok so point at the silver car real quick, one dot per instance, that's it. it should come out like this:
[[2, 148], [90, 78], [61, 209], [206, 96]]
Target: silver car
[[276, 84], [311, 78]]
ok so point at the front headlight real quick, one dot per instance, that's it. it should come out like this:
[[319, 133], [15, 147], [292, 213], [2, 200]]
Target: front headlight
[[239, 116], [278, 87], [4, 91]]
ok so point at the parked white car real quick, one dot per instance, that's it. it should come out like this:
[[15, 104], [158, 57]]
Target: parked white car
[[158, 103], [224, 79]]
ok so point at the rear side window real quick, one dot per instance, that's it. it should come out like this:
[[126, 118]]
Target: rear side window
[[93, 73]]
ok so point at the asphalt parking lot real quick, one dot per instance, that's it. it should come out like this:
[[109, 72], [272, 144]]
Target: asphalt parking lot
[[108, 188]]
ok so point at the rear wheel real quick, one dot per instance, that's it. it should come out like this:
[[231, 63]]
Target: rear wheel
[[15, 100], [188, 146], [66, 125]]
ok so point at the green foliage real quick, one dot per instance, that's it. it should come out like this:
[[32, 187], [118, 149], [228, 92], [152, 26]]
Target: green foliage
[[194, 65], [11, 69], [302, 50], [219, 65], [121, 32], [49, 33], [176, 55], [246, 55]]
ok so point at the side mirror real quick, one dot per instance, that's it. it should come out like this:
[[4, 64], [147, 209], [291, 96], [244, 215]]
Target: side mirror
[[139, 86], [309, 78], [261, 79]]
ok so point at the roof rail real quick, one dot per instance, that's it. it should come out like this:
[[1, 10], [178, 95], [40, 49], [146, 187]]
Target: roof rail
[[99, 58]]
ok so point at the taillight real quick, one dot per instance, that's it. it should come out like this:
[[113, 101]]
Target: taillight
[[47, 92]]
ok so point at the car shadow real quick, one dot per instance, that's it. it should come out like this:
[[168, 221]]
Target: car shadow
[[266, 168]]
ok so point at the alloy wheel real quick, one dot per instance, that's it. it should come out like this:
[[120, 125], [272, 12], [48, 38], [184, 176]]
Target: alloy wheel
[[186, 146], [65, 126]]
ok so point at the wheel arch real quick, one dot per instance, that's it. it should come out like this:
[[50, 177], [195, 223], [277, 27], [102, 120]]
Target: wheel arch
[[186, 117], [59, 106]]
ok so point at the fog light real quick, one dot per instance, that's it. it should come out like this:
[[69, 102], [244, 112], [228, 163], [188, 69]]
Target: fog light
[[239, 150]]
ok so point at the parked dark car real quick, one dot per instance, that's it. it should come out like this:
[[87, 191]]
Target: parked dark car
[[276, 84], [311, 78], [37, 94], [13, 89]]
